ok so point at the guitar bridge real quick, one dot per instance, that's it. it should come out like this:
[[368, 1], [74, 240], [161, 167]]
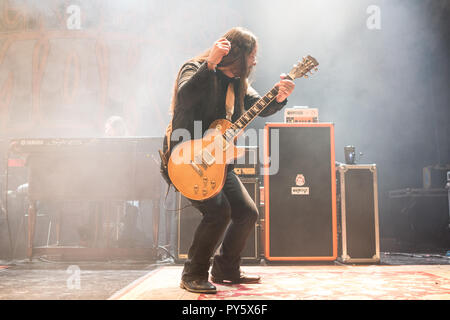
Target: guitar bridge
[[198, 160], [197, 169]]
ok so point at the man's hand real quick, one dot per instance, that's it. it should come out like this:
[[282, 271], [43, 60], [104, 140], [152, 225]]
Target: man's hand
[[220, 49], [285, 88]]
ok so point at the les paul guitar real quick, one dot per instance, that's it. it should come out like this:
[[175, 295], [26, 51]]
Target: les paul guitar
[[197, 168]]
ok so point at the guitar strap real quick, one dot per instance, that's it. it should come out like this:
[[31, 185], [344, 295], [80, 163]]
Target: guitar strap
[[229, 101], [168, 136], [166, 155]]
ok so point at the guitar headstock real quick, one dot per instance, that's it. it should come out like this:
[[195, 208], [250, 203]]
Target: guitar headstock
[[303, 66]]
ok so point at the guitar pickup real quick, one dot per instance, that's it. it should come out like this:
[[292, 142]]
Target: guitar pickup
[[208, 157]]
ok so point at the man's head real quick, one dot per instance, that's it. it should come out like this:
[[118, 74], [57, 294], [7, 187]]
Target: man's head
[[115, 127], [242, 56], [237, 63]]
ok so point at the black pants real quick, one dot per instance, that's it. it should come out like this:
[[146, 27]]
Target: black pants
[[232, 203]]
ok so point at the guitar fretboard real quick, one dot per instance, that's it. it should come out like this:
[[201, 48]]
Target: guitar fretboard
[[240, 124]]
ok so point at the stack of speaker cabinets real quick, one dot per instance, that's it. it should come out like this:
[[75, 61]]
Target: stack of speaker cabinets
[[247, 168], [300, 192], [300, 219]]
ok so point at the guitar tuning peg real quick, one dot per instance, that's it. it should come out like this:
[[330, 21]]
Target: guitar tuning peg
[[305, 76], [316, 69]]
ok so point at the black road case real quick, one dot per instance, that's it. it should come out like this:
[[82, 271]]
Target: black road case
[[359, 226]]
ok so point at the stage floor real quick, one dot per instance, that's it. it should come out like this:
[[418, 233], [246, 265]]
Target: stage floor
[[305, 283], [397, 277]]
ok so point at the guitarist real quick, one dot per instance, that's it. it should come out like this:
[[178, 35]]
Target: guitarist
[[211, 86]]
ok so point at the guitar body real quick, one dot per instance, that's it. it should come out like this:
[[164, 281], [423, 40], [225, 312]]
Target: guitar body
[[197, 168]]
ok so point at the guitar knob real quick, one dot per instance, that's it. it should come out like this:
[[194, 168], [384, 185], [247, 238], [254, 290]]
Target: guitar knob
[[196, 188], [204, 192], [213, 184], [205, 181]]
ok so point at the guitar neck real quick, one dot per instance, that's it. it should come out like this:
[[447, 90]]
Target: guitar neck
[[240, 124]]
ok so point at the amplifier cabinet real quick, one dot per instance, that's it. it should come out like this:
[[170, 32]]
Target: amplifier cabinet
[[420, 217], [247, 165], [300, 192], [435, 177], [189, 218], [360, 242]]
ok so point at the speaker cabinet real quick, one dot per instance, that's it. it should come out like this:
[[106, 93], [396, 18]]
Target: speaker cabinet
[[420, 218], [300, 192], [358, 199], [247, 166], [435, 177], [189, 218]]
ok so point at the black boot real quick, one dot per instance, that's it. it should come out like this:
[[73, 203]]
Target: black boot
[[219, 274], [198, 286], [242, 278]]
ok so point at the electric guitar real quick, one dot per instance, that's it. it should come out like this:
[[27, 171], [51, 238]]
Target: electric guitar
[[197, 168]]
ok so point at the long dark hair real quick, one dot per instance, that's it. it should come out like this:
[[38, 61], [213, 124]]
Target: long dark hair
[[243, 42]]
